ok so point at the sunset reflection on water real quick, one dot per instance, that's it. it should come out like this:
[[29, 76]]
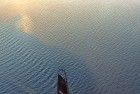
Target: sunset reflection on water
[[25, 24]]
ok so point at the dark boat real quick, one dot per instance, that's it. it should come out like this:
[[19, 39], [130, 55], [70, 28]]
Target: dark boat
[[62, 85]]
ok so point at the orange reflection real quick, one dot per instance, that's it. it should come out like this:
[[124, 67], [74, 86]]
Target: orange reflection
[[25, 23], [22, 7]]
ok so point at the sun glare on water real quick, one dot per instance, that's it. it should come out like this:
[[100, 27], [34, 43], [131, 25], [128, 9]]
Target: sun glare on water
[[25, 23], [27, 10], [22, 7]]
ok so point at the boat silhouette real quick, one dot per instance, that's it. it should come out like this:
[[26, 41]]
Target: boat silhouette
[[62, 84]]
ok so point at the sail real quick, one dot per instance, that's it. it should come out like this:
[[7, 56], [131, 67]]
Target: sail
[[62, 87]]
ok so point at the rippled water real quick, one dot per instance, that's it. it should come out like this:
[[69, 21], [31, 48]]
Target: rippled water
[[29, 67], [97, 43]]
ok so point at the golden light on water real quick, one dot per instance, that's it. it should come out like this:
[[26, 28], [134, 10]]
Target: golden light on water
[[21, 9], [51, 11], [25, 24]]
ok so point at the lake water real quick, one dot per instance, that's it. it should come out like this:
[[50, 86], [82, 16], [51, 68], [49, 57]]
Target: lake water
[[97, 43]]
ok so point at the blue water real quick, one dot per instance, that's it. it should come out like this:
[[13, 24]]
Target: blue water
[[98, 46], [29, 67]]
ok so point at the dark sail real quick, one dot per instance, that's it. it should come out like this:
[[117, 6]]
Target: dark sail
[[62, 85]]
